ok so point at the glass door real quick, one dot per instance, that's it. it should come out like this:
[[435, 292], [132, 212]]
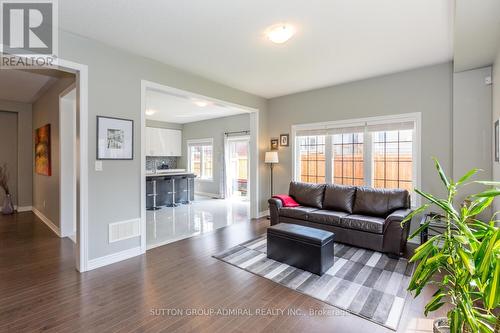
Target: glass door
[[237, 167]]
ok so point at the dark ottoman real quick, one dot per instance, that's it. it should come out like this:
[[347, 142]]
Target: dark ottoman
[[307, 248]]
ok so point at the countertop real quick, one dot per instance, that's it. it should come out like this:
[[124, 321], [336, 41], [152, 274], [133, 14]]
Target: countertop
[[168, 174]]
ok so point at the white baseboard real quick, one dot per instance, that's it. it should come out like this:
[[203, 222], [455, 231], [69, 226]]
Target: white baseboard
[[47, 221], [113, 258], [21, 209], [263, 213], [205, 194]]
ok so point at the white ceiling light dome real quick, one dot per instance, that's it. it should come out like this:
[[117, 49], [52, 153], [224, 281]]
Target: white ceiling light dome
[[280, 33]]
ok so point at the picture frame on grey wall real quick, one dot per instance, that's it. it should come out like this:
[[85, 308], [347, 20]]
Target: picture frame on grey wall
[[284, 140], [274, 144], [115, 138]]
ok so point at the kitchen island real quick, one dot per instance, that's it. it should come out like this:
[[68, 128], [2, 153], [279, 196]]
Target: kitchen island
[[169, 189]]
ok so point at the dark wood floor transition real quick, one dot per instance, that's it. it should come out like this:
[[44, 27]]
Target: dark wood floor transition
[[41, 291]]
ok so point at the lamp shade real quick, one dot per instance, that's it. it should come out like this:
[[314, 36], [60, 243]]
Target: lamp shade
[[271, 157]]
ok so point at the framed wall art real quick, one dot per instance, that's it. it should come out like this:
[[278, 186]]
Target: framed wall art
[[43, 151], [274, 144], [284, 140], [115, 138]]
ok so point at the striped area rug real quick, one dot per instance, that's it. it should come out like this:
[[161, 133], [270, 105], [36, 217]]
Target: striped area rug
[[363, 282]]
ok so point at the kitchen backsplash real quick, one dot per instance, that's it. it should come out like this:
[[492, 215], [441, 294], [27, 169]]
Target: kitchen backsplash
[[168, 160]]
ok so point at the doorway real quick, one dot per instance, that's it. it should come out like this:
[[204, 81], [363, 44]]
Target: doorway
[[237, 153]]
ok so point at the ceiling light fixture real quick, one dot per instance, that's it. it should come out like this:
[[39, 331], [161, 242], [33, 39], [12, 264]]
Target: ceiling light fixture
[[201, 103], [280, 33], [150, 112]]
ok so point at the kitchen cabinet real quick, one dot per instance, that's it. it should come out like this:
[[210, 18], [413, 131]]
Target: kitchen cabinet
[[163, 142]]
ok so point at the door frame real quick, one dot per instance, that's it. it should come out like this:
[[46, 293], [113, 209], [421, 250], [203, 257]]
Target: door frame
[[81, 82], [64, 226], [254, 148]]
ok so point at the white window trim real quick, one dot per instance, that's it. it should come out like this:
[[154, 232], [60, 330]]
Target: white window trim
[[415, 117], [195, 142]]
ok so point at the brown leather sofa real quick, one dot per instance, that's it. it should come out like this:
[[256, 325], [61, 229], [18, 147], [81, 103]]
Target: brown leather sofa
[[360, 216]]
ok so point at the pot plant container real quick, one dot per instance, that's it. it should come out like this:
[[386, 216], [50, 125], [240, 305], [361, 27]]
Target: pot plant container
[[441, 325], [464, 261], [7, 206]]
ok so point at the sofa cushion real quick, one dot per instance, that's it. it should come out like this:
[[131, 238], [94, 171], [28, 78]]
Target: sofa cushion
[[363, 222], [379, 202], [307, 194], [329, 217], [339, 197], [301, 212]]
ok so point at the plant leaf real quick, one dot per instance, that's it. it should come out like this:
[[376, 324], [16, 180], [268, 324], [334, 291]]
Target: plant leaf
[[444, 205], [488, 193], [478, 205], [492, 292], [442, 175], [419, 229], [413, 213], [487, 183], [467, 260], [465, 177]]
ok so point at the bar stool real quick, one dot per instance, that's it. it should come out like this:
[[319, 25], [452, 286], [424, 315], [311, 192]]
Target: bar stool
[[154, 195], [173, 192]]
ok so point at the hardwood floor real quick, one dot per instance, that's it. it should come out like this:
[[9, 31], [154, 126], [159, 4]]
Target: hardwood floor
[[41, 291]]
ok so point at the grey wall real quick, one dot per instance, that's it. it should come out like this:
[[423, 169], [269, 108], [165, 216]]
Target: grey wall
[[496, 116], [46, 189], [25, 150], [427, 90], [213, 128], [472, 126], [115, 90], [8, 152]]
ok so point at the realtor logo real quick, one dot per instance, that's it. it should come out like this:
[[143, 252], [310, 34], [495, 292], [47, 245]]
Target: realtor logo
[[29, 31]]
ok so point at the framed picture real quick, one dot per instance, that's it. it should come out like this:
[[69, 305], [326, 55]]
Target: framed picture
[[497, 137], [115, 138], [284, 140], [42, 151], [274, 144]]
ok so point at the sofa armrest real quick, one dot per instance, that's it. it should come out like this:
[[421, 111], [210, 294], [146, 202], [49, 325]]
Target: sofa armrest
[[398, 215], [274, 207], [395, 236]]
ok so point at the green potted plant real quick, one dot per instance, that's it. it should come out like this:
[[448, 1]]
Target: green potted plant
[[463, 262]]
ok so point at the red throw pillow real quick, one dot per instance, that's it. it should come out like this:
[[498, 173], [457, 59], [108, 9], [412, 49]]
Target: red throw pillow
[[286, 200]]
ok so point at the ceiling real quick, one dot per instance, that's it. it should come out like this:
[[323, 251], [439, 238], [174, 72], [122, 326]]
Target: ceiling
[[26, 86], [477, 33], [182, 109], [336, 41], [21, 86]]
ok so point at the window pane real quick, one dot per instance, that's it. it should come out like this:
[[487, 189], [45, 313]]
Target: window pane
[[195, 158], [312, 158], [207, 162], [200, 160], [392, 153], [348, 164]]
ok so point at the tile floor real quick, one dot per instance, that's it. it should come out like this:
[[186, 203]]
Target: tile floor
[[203, 215]]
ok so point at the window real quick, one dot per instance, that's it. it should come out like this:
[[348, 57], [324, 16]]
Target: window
[[379, 152], [393, 159], [348, 168], [312, 158], [200, 158]]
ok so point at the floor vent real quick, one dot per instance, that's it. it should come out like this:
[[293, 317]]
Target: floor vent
[[124, 230]]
